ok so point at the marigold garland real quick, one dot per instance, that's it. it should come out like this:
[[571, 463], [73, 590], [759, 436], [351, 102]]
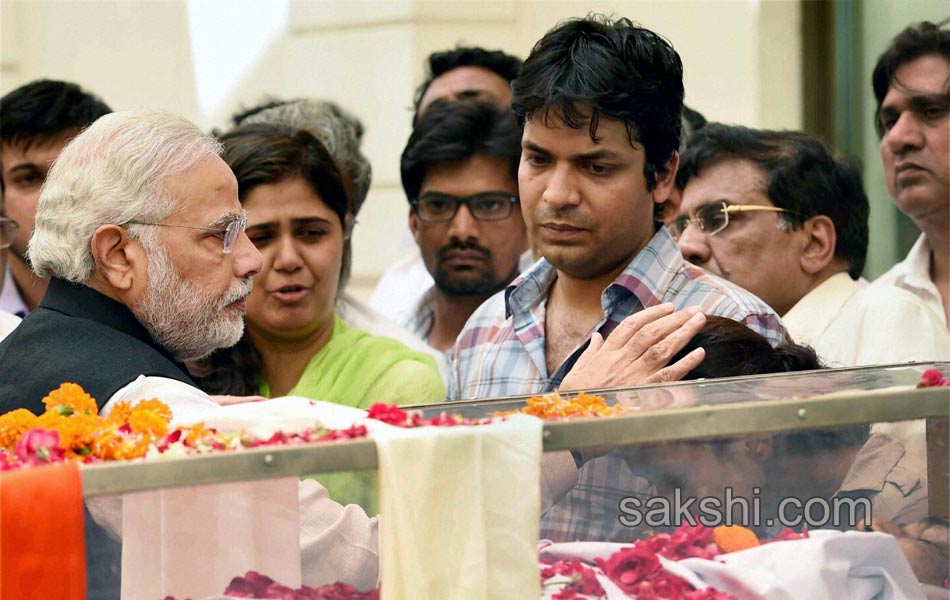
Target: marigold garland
[[555, 406], [79, 432]]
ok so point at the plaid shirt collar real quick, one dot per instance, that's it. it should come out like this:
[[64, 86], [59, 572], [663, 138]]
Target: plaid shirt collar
[[652, 270]]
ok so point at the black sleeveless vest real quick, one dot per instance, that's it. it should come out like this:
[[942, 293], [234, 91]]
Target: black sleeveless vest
[[78, 335]]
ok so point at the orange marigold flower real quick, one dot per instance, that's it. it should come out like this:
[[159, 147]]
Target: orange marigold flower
[[553, 406], [77, 433], [155, 405], [148, 423], [112, 444], [14, 424], [72, 396], [120, 412], [732, 538]]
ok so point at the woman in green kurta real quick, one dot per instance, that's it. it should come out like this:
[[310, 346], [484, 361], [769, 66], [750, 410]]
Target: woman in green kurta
[[295, 343]]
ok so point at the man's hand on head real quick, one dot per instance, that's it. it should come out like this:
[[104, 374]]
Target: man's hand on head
[[638, 350]]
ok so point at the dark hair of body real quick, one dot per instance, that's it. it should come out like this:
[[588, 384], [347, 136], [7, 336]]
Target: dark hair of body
[[261, 155], [913, 42], [44, 108], [585, 69], [454, 131], [800, 175], [504, 65], [732, 350]]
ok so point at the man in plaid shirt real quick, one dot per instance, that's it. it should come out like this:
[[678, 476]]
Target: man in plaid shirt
[[600, 102]]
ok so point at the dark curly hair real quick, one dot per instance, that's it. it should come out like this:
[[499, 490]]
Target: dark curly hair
[[587, 68]]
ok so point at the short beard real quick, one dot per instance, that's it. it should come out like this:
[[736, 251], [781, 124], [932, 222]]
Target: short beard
[[180, 316], [469, 283]]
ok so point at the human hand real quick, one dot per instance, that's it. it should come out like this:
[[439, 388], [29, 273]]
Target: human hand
[[228, 400], [636, 352], [925, 544]]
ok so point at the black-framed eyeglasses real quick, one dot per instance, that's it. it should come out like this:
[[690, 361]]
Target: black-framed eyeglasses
[[442, 208], [228, 231], [713, 218], [8, 229]]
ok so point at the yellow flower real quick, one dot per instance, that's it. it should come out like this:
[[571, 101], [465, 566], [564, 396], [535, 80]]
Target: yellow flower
[[148, 423], [155, 405], [76, 432], [14, 424], [72, 396], [120, 412]]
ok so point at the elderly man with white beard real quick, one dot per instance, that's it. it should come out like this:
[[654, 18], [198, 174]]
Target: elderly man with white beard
[[140, 230]]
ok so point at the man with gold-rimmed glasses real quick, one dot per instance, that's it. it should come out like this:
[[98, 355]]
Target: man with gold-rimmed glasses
[[776, 213]]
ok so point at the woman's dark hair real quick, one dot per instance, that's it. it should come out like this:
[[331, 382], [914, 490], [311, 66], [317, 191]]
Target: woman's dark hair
[[732, 349], [259, 155], [584, 69]]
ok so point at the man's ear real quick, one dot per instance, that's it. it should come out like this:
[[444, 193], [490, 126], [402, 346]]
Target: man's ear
[[819, 244], [414, 224], [119, 258], [666, 180]]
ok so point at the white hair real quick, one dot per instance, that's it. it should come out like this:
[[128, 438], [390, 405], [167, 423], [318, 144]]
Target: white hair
[[113, 172]]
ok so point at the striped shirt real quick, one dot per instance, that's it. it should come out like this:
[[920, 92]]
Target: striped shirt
[[500, 352]]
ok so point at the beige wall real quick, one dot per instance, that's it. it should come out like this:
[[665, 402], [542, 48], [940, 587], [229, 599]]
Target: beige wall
[[741, 62]]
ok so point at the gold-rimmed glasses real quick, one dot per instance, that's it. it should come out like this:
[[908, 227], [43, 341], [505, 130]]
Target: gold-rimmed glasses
[[713, 218]]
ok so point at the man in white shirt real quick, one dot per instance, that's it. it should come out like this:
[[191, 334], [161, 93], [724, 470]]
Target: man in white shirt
[[911, 84], [36, 121]]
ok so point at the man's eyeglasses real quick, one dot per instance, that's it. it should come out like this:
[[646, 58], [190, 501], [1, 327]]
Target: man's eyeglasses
[[442, 208], [228, 232], [8, 229], [713, 218]]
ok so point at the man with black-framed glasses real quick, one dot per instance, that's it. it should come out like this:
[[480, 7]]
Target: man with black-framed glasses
[[459, 171]]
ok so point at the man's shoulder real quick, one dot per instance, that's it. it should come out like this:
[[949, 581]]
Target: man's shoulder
[[694, 286], [49, 348]]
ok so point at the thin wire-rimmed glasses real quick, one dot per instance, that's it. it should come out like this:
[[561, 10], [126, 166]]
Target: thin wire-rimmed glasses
[[713, 218], [8, 228], [442, 208], [228, 231]]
